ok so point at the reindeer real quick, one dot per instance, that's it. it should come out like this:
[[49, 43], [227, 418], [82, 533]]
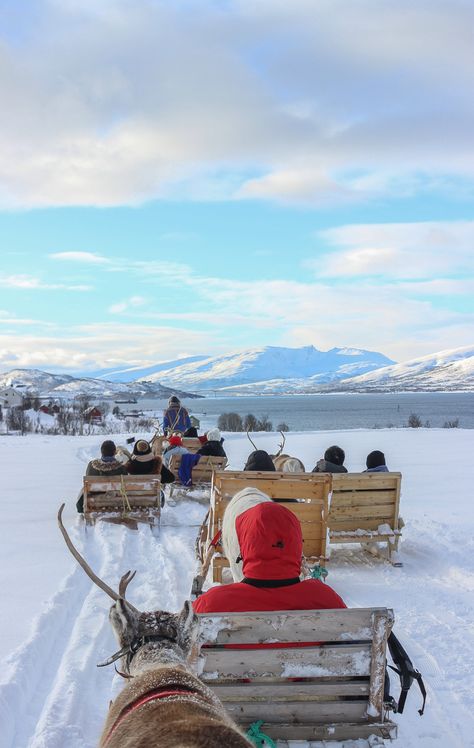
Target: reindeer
[[284, 463], [164, 704]]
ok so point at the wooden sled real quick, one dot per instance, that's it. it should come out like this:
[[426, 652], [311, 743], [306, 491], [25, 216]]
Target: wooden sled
[[305, 494], [364, 508], [123, 499], [331, 688], [201, 476], [192, 444]]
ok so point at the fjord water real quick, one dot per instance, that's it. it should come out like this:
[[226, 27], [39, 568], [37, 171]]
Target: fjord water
[[337, 411]]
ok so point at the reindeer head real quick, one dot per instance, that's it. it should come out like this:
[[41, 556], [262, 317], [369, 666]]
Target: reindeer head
[[151, 638], [146, 638]]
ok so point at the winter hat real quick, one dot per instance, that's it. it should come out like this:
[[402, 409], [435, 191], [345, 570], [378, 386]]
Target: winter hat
[[271, 542], [259, 460], [173, 400], [213, 435], [108, 448], [142, 447], [175, 441], [375, 459], [243, 500], [142, 451], [335, 454]]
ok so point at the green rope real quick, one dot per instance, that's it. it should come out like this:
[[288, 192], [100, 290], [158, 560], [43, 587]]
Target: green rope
[[319, 572], [257, 737]]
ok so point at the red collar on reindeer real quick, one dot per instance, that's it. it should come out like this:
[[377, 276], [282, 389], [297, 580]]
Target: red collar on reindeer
[[154, 695]]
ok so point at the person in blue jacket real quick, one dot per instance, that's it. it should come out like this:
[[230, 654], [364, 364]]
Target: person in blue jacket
[[375, 462], [175, 417]]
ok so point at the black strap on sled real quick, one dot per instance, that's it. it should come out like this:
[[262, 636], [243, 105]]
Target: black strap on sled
[[407, 673]]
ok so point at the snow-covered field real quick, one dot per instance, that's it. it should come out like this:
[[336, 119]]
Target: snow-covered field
[[54, 626]]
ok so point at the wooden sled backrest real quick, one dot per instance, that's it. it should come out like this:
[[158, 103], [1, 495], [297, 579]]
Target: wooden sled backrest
[[364, 501], [116, 492], [329, 687], [305, 494], [192, 444], [203, 471]]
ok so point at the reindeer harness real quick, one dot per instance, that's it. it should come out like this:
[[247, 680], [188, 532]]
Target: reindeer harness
[[155, 695]]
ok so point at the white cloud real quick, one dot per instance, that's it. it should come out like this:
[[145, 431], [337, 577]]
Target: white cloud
[[131, 303], [149, 100], [30, 283], [81, 257], [399, 250]]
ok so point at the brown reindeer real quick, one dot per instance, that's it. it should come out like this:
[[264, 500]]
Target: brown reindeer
[[284, 463], [164, 704]]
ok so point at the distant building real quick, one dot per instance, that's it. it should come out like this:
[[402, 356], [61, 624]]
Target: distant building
[[93, 415], [10, 397]]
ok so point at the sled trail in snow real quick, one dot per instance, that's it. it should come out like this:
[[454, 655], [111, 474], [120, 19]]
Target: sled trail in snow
[[57, 696]]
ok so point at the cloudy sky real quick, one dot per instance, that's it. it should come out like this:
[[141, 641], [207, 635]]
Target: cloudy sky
[[203, 176]]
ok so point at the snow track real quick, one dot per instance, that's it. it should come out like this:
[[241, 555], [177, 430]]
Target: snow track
[[55, 695]]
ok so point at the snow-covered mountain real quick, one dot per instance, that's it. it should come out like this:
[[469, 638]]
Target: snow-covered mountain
[[41, 383], [273, 368], [447, 370]]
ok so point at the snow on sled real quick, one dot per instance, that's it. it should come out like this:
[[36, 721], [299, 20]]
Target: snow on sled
[[364, 509], [123, 499], [324, 683]]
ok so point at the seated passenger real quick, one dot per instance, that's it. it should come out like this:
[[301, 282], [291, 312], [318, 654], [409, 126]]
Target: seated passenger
[[143, 462], [175, 417], [106, 465], [213, 445], [175, 448], [239, 503], [375, 462], [259, 460], [271, 547], [333, 461]]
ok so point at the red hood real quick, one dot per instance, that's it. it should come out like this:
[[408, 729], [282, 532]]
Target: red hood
[[270, 540]]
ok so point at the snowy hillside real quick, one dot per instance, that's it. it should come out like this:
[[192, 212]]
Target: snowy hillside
[[36, 382], [260, 365], [447, 370], [55, 626]]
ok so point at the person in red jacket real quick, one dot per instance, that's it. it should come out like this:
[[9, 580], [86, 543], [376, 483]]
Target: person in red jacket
[[271, 547]]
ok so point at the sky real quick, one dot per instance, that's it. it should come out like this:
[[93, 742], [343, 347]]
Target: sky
[[204, 176]]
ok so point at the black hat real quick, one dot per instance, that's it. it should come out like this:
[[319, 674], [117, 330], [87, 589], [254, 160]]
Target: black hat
[[375, 459], [335, 454], [259, 460]]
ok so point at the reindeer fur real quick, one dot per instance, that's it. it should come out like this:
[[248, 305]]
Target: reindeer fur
[[243, 500], [194, 719], [288, 464]]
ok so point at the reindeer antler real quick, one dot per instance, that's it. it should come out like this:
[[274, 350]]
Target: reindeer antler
[[251, 442], [124, 582], [281, 445], [82, 562]]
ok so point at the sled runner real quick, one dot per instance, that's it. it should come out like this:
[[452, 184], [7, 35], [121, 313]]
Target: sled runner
[[329, 686], [364, 508], [124, 499], [305, 494]]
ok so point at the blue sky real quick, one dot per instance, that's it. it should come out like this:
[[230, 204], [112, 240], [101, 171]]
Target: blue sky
[[200, 177]]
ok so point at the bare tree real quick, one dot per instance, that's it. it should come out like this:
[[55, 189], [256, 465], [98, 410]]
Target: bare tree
[[230, 422]]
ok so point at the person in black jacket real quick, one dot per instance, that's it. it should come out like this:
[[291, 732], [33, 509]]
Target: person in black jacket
[[213, 447], [259, 460], [333, 461], [144, 462]]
